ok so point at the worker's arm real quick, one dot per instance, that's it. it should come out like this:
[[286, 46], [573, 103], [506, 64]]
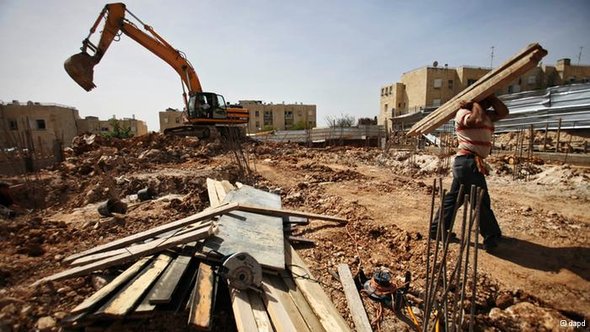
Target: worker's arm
[[500, 109], [476, 117]]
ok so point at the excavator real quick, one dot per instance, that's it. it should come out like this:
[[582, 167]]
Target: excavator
[[206, 113]]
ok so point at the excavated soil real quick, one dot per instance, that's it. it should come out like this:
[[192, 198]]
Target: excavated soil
[[538, 276]]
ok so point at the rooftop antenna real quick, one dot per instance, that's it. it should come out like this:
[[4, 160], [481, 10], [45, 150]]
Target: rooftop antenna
[[492, 58], [580, 54]]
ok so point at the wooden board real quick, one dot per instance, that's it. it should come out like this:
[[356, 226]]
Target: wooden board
[[227, 186], [281, 309], [311, 319], [245, 321], [277, 212], [319, 302], [516, 66], [202, 299], [95, 299], [131, 254], [125, 299], [102, 255], [355, 304], [212, 193], [259, 235], [120, 243], [259, 312], [166, 284]]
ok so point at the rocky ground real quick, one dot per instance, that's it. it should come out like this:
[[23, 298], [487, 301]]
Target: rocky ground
[[538, 277]]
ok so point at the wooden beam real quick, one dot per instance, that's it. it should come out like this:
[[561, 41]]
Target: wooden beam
[[95, 299], [212, 193], [485, 86], [220, 191], [286, 213], [227, 186], [102, 255], [126, 299], [319, 302], [202, 299], [132, 253], [302, 305], [245, 321], [281, 309], [355, 304], [164, 288], [120, 243], [259, 310]]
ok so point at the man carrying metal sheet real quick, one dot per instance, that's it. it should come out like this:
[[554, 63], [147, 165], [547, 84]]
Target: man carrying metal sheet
[[474, 125]]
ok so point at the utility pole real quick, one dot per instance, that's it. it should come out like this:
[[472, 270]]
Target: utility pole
[[580, 55], [492, 58]]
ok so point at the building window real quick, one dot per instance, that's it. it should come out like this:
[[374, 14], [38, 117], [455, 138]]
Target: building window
[[13, 125], [104, 129], [257, 124], [436, 102], [133, 129], [41, 124], [437, 83], [165, 120], [532, 79], [256, 113], [390, 89], [177, 120], [470, 81], [288, 119], [450, 84], [267, 118]]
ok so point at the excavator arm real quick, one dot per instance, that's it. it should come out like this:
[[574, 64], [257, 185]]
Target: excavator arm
[[80, 66]]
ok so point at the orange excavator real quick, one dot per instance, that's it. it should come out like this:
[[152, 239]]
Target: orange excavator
[[205, 112]]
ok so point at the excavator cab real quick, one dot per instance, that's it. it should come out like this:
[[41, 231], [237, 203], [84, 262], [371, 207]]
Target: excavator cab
[[206, 105]]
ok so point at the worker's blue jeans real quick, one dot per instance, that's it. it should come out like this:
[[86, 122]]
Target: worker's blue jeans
[[465, 173]]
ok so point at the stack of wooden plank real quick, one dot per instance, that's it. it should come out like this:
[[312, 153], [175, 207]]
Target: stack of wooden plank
[[173, 269], [516, 66]]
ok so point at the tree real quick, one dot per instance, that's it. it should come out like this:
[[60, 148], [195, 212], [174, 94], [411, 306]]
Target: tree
[[345, 120], [119, 131]]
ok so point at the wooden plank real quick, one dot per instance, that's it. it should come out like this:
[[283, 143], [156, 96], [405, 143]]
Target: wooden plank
[[491, 82], [227, 186], [245, 321], [102, 255], [212, 192], [481, 91], [281, 309], [202, 298], [355, 304], [267, 211], [220, 191], [300, 239], [259, 311], [125, 300], [132, 253], [319, 302], [167, 283], [120, 243], [303, 306], [259, 235], [95, 299]]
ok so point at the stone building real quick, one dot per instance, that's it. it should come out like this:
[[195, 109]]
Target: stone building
[[170, 118], [431, 86], [269, 116], [36, 127], [263, 116], [93, 125]]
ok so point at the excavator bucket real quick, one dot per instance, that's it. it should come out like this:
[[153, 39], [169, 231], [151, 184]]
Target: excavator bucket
[[80, 67]]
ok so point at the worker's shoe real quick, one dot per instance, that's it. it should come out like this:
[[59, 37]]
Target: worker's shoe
[[491, 243]]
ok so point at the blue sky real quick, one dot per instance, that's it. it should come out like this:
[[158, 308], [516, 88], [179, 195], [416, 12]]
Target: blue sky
[[335, 54]]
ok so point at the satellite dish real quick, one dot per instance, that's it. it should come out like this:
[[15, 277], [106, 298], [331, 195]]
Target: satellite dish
[[435, 64]]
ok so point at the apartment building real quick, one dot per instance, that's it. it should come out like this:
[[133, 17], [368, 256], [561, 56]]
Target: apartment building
[[432, 86], [36, 126], [269, 116]]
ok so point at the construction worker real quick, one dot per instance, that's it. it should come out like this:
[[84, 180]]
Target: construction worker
[[474, 125]]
